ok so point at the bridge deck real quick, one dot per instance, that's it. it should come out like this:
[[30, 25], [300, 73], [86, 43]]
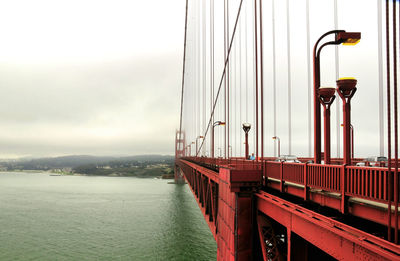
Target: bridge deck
[[355, 210]]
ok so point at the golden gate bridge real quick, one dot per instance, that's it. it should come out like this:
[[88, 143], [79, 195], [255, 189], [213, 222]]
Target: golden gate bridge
[[261, 74]]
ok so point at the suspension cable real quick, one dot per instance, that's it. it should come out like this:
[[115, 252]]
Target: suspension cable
[[336, 25], [396, 136], [289, 76], [183, 70], [389, 123], [380, 64], [223, 75], [274, 71], [309, 86]]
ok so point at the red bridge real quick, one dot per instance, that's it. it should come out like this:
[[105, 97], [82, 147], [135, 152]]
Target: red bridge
[[258, 203]]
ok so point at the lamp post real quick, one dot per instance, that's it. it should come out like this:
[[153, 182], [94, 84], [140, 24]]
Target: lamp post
[[190, 148], [246, 128], [279, 144], [199, 137], [326, 98], [352, 140], [341, 37], [217, 123], [346, 89]]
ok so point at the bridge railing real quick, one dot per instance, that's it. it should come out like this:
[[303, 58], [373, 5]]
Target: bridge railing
[[272, 169], [326, 177], [362, 182], [293, 172], [370, 183]]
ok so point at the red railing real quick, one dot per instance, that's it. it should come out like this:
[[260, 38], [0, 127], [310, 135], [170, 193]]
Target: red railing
[[293, 172], [272, 169], [370, 183], [362, 182], [326, 177]]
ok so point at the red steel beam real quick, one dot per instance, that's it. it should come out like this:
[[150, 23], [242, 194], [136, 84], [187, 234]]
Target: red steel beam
[[335, 238], [190, 177]]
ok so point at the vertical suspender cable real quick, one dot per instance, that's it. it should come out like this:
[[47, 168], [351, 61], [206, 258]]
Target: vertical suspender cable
[[225, 89], [183, 71], [240, 86], [196, 71], [211, 63], [199, 72], [256, 60], [289, 77], [396, 136], [389, 183], [246, 64], [254, 82], [204, 69], [228, 78], [380, 68], [309, 86], [261, 81], [335, 8], [274, 71], [224, 72], [234, 100]]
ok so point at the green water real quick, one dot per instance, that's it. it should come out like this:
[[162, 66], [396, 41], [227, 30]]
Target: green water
[[46, 217]]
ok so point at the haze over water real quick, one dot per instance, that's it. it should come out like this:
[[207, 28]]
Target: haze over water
[[46, 217]]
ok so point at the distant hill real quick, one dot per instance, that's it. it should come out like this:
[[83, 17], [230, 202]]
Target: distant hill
[[79, 160]]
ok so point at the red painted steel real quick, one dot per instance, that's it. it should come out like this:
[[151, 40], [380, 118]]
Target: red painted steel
[[346, 90], [269, 245], [225, 199], [337, 239]]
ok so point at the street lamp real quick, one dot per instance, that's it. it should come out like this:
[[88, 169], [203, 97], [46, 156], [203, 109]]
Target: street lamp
[[190, 149], [199, 137], [326, 98], [279, 144], [246, 128], [217, 123], [341, 37], [346, 89]]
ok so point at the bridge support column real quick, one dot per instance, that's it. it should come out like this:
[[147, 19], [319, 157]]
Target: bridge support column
[[178, 175], [235, 213]]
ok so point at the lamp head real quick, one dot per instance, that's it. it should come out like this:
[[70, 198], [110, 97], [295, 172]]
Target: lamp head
[[246, 127], [348, 38], [326, 93], [219, 123], [346, 85]]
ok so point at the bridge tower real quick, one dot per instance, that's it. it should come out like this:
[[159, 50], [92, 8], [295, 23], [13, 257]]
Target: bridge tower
[[179, 153]]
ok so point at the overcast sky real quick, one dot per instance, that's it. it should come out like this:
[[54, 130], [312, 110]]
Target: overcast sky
[[103, 77], [97, 77]]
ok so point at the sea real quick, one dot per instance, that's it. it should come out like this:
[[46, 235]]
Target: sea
[[45, 217]]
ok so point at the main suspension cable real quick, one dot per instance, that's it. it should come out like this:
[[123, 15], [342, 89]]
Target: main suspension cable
[[183, 70]]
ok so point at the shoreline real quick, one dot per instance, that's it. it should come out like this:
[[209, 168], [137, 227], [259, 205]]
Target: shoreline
[[52, 173]]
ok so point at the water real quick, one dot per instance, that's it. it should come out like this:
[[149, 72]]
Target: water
[[46, 217]]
